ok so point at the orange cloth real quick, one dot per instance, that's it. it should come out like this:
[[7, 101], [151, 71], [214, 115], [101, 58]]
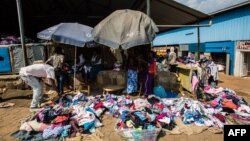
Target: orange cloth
[[229, 104], [60, 119]]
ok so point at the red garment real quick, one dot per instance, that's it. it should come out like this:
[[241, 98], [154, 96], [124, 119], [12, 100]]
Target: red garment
[[229, 104], [133, 107], [159, 105], [152, 68], [220, 117], [60, 119], [98, 105]]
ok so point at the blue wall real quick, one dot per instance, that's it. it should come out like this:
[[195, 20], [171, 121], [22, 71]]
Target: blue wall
[[223, 47], [5, 63], [233, 25], [229, 26], [178, 36]]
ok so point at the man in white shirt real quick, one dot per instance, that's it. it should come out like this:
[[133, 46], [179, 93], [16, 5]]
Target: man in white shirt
[[32, 75]]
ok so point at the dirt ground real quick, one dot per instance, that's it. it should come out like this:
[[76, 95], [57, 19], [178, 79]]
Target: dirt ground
[[10, 117]]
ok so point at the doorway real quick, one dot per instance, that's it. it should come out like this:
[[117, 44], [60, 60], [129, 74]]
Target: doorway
[[246, 64]]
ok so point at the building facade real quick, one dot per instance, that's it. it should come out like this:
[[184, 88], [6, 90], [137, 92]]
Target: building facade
[[226, 40]]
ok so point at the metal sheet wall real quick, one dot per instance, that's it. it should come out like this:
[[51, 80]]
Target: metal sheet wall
[[227, 26]]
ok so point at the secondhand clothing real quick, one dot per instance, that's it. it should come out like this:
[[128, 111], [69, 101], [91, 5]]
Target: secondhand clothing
[[132, 82], [213, 68]]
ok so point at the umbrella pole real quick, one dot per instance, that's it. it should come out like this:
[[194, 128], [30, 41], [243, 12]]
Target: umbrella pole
[[75, 71]]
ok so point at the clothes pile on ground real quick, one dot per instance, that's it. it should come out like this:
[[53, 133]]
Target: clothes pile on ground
[[186, 60], [161, 113], [10, 39], [6, 40], [71, 115]]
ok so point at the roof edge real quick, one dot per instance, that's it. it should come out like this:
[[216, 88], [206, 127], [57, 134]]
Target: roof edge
[[229, 8]]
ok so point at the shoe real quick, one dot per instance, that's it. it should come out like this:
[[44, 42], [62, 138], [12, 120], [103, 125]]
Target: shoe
[[35, 109]]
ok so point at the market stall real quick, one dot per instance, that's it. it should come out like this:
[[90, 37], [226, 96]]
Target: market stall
[[185, 75], [13, 57]]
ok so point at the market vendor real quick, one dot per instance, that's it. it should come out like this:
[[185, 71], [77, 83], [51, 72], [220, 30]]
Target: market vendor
[[57, 60], [32, 75], [172, 60]]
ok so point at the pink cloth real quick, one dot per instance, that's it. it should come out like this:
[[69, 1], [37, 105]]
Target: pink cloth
[[214, 90], [195, 82], [161, 116]]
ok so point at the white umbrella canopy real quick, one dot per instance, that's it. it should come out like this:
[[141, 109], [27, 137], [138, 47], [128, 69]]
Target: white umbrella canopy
[[125, 29]]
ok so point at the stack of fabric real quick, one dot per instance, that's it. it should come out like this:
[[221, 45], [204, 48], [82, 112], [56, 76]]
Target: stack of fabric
[[70, 115], [80, 114], [6, 40], [10, 39]]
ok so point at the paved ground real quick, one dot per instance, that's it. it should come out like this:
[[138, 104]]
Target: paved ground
[[10, 117]]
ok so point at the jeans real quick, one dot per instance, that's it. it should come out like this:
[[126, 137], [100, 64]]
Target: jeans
[[60, 81], [34, 83]]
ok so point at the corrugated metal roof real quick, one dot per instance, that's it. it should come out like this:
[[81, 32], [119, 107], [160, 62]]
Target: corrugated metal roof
[[40, 14], [230, 8], [168, 12], [229, 26]]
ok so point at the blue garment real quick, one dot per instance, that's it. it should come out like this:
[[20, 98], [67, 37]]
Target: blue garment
[[60, 81], [88, 125], [132, 81], [27, 136], [124, 115], [52, 133], [79, 98], [140, 116], [171, 94], [46, 115], [160, 91], [192, 116], [66, 131]]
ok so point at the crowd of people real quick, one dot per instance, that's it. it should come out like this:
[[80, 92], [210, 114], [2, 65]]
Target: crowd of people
[[141, 71]]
